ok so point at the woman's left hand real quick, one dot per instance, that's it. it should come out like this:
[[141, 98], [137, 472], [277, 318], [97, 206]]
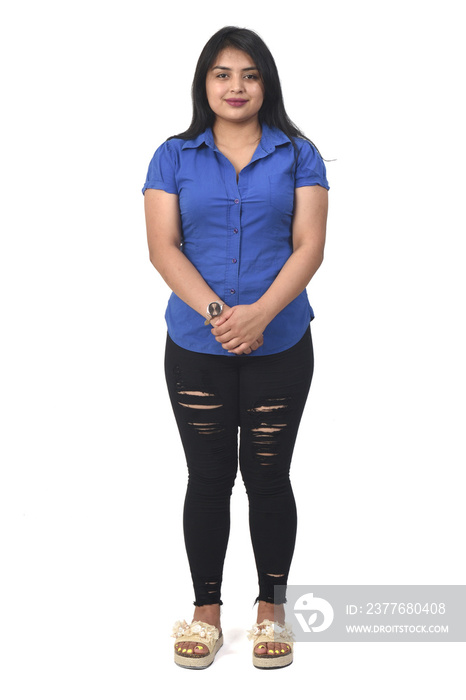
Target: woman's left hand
[[239, 329]]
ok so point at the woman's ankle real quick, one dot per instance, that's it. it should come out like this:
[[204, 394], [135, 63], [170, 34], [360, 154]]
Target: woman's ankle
[[207, 613], [269, 611]]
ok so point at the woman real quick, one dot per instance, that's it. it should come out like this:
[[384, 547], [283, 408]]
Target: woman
[[236, 211]]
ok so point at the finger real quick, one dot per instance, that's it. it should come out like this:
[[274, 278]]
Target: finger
[[227, 338], [220, 320], [239, 349], [233, 344], [220, 332], [230, 341]]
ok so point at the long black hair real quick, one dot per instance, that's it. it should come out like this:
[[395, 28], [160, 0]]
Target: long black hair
[[272, 112]]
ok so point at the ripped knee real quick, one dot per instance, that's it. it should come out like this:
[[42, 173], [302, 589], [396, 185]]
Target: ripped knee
[[199, 402], [266, 434]]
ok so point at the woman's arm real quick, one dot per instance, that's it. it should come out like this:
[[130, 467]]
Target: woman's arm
[[235, 328], [164, 239]]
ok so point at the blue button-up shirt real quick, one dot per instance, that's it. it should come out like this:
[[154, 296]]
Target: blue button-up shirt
[[237, 232]]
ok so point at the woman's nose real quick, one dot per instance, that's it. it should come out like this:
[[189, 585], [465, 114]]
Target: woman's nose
[[236, 85]]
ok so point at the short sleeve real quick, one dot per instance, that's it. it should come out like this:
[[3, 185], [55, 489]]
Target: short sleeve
[[310, 169], [161, 174]]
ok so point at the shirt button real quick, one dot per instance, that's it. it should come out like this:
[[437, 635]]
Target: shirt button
[[232, 291], [236, 201], [235, 230], [234, 260]]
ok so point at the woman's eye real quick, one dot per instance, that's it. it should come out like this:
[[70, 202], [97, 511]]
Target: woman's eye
[[252, 76], [221, 75]]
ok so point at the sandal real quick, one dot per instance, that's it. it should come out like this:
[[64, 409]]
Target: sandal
[[206, 636], [268, 631]]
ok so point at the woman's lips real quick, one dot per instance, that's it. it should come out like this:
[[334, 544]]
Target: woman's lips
[[236, 103]]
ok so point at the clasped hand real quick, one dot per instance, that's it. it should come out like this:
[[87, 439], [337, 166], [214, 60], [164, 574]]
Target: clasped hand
[[240, 328]]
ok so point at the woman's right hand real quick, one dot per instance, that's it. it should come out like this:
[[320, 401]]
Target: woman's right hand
[[239, 329], [254, 345]]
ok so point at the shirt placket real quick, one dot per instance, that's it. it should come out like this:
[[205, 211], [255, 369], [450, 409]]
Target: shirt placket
[[232, 289], [232, 266]]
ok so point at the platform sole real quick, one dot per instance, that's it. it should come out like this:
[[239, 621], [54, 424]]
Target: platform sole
[[269, 662]]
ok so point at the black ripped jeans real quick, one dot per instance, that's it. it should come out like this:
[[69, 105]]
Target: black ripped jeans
[[264, 396]]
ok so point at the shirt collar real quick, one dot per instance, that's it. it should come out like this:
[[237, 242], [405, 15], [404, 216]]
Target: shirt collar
[[271, 138]]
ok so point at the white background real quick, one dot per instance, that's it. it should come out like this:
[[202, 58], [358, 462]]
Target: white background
[[93, 475]]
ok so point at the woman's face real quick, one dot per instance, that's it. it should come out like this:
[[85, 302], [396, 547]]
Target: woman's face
[[235, 91]]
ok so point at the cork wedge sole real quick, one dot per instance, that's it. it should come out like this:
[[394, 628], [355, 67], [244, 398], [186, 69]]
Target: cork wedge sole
[[264, 661]]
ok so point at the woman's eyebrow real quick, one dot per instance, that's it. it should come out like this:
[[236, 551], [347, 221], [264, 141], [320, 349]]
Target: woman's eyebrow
[[225, 68]]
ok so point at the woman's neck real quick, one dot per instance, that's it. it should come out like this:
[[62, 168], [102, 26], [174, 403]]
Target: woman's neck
[[236, 135]]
